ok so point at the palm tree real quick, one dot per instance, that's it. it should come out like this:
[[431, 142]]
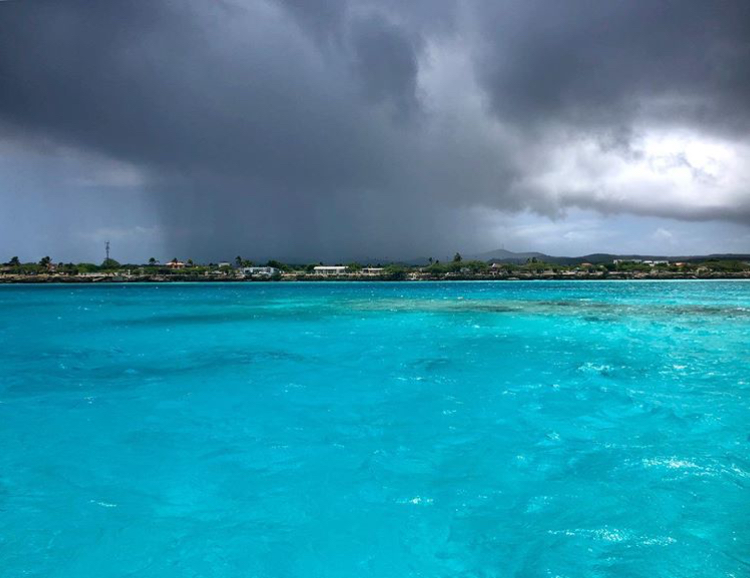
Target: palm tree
[[238, 261], [152, 261], [45, 262], [14, 262], [457, 258]]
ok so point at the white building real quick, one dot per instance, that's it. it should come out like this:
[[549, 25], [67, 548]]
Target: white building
[[259, 271], [654, 263], [373, 271], [329, 270]]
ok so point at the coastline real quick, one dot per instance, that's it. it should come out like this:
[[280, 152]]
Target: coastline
[[186, 279]]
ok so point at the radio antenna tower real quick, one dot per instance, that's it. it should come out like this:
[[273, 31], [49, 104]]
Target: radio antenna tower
[[106, 248]]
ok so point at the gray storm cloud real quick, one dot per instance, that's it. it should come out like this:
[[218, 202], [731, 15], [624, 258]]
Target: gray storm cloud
[[333, 128]]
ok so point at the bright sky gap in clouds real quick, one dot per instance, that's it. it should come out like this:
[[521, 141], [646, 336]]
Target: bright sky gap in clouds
[[333, 129]]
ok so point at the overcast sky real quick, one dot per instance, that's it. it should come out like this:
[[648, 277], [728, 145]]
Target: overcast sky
[[333, 129]]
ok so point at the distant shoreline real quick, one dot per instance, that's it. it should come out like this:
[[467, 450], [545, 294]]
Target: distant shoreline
[[135, 280], [110, 271]]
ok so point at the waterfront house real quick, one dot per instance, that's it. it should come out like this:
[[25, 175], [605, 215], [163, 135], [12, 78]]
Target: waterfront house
[[651, 263], [330, 270], [371, 271], [259, 271]]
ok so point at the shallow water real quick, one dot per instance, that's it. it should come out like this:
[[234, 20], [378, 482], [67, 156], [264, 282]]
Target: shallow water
[[571, 429]]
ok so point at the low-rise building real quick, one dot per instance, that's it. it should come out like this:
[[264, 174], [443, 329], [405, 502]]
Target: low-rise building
[[655, 263], [259, 271], [330, 270]]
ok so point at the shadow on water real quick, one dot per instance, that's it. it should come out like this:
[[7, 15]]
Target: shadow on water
[[591, 310], [63, 370], [214, 318]]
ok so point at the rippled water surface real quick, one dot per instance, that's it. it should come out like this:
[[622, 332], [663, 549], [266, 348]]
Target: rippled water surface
[[551, 429]]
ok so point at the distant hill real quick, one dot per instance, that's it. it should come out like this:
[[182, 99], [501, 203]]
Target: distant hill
[[505, 256]]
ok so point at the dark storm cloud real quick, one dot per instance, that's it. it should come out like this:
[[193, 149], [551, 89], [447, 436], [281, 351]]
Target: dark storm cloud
[[386, 61], [600, 63], [323, 19], [304, 127], [166, 94]]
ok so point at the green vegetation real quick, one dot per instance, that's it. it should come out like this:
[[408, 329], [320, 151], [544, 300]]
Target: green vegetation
[[240, 262], [631, 266], [395, 273], [278, 265], [726, 266], [110, 264], [457, 268]]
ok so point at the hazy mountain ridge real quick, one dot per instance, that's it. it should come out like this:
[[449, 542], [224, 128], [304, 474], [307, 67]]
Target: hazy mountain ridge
[[505, 256]]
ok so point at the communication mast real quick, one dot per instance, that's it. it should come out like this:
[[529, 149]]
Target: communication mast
[[106, 248]]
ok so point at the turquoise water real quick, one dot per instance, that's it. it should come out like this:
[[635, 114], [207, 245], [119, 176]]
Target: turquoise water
[[543, 429]]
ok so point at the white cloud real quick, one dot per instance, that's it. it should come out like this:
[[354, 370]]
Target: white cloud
[[663, 235], [664, 173]]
